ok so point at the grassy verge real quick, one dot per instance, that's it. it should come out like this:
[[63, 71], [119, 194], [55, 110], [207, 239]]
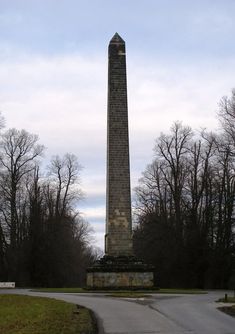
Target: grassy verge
[[61, 290], [144, 294], [25, 314], [115, 292], [128, 295], [230, 310], [228, 300], [183, 291]]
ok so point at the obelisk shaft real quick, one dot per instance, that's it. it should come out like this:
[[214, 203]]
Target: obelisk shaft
[[118, 239]]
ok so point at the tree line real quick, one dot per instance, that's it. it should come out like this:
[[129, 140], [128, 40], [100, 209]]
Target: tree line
[[184, 212], [185, 218], [43, 239]]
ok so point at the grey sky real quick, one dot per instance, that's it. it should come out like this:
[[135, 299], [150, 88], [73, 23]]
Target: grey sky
[[53, 75]]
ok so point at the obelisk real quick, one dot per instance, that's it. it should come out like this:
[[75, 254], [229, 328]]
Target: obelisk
[[118, 268], [118, 239]]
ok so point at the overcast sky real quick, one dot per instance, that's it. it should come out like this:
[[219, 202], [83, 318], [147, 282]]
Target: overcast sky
[[53, 76]]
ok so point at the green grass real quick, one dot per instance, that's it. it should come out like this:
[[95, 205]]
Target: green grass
[[62, 290], [147, 291], [229, 300], [230, 310], [144, 294], [25, 315], [183, 291], [128, 295]]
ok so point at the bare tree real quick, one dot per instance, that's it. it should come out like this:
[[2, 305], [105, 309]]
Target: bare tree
[[227, 116], [172, 151], [19, 151], [2, 121], [185, 206], [64, 173]]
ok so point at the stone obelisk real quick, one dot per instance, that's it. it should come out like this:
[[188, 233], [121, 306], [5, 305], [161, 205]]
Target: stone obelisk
[[118, 268], [118, 239]]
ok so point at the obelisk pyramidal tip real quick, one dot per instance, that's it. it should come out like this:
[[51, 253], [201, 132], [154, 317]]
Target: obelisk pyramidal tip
[[118, 240], [116, 39]]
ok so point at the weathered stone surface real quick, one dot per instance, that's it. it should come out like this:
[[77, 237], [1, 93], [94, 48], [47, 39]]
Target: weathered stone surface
[[120, 279], [118, 268], [120, 272], [118, 240]]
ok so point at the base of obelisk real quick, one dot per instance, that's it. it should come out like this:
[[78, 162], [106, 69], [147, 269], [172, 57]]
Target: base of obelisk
[[122, 272]]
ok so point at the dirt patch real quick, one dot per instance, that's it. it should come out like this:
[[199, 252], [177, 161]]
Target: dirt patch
[[230, 310]]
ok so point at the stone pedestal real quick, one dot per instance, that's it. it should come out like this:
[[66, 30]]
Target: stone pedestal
[[120, 273]]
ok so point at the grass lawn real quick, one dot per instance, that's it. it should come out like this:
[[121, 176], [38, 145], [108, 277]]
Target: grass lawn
[[144, 294], [115, 292], [229, 300], [36, 315], [129, 294], [227, 309], [62, 290], [230, 310], [183, 291]]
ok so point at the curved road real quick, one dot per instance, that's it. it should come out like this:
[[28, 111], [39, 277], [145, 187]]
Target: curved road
[[162, 314]]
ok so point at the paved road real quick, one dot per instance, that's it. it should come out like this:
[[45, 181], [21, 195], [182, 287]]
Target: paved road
[[196, 314], [162, 314]]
